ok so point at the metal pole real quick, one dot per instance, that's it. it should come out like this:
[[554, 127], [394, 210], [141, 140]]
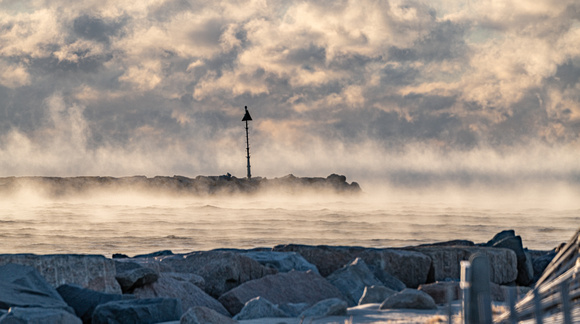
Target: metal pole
[[248, 150]]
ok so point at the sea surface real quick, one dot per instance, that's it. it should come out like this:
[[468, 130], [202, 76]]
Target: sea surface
[[135, 224]]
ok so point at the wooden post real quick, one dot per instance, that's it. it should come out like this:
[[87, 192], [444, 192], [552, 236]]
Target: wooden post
[[449, 295], [465, 285], [512, 305], [480, 290], [566, 309], [538, 307]]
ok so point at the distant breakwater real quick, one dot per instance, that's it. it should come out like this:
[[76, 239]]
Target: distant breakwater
[[200, 185]]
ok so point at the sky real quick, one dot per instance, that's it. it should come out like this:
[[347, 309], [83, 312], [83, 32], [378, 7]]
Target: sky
[[412, 93]]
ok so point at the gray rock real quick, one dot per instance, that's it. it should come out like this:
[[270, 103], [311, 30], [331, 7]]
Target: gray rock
[[352, 279], [398, 269], [409, 267], [327, 307], [439, 290], [327, 259], [293, 309], [84, 301], [499, 237], [38, 315], [88, 271], [524, 264], [204, 315], [138, 311], [409, 298], [259, 308], [282, 288], [541, 263], [282, 261], [176, 285], [221, 270], [131, 275], [23, 286], [446, 262], [375, 295]]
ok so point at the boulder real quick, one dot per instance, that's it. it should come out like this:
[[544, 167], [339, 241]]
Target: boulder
[[409, 267], [221, 270], [438, 290], [259, 308], [524, 264], [281, 288], [540, 264], [131, 275], [375, 295], [282, 261], [327, 307], [88, 271], [84, 301], [293, 309], [38, 315], [446, 262], [175, 285], [499, 237], [409, 298], [327, 259], [204, 315], [352, 279], [398, 269], [142, 311], [23, 286]]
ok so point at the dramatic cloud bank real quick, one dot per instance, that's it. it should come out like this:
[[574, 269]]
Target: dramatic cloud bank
[[409, 91]]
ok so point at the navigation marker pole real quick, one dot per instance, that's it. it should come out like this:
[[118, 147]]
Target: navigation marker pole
[[246, 118]]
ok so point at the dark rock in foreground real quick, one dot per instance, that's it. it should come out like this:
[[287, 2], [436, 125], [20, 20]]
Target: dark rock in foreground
[[282, 288], [409, 298], [391, 266], [142, 311], [88, 271], [33, 315], [204, 315], [84, 301], [23, 286], [200, 185], [175, 285], [221, 270], [259, 308], [352, 279]]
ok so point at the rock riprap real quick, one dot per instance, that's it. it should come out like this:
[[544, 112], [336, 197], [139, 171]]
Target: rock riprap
[[287, 280]]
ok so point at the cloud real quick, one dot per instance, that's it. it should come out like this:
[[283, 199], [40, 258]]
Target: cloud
[[159, 86]]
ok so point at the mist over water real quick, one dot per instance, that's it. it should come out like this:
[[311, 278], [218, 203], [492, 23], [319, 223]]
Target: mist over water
[[138, 222]]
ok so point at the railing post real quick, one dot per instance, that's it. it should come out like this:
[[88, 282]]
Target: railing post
[[538, 307], [449, 295], [512, 305], [566, 309], [465, 286]]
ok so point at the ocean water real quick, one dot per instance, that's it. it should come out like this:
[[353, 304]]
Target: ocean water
[[140, 223]]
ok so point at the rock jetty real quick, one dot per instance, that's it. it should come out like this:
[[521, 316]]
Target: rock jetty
[[228, 286], [179, 185]]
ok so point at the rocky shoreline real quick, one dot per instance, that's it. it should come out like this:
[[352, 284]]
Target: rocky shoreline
[[227, 285], [54, 187]]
